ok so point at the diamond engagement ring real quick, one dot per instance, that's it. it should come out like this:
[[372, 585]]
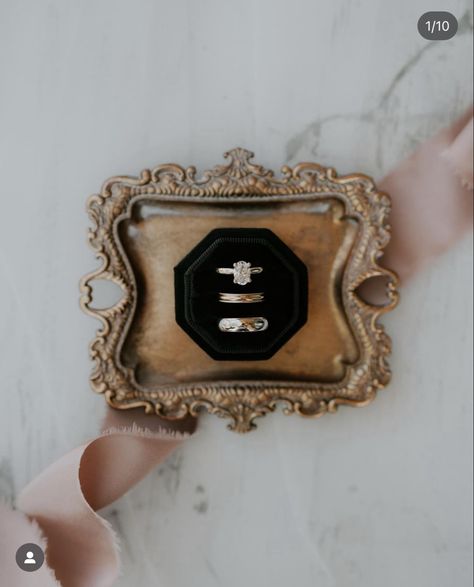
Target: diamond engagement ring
[[241, 298], [256, 324], [242, 272]]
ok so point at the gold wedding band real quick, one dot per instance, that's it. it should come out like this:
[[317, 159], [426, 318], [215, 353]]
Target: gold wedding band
[[241, 298], [254, 324]]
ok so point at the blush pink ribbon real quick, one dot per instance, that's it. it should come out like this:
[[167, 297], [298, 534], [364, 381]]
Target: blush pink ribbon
[[432, 209]]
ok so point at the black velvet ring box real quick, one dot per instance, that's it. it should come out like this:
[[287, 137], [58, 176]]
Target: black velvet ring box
[[283, 283]]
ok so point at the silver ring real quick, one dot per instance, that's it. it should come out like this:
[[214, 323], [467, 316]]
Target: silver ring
[[254, 324], [242, 272], [241, 298]]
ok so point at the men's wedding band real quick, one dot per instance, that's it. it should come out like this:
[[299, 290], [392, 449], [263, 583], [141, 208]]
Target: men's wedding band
[[241, 298], [256, 324], [242, 272]]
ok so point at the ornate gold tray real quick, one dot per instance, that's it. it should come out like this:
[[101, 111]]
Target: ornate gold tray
[[143, 227]]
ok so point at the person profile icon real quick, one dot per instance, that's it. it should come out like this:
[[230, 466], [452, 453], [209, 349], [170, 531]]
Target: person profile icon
[[29, 557], [29, 560]]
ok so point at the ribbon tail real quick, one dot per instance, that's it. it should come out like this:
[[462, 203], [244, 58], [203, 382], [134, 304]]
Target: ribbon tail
[[81, 546], [431, 200]]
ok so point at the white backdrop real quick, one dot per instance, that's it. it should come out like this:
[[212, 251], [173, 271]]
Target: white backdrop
[[371, 497]]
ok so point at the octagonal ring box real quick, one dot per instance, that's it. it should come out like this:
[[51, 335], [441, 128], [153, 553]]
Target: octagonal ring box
[[310, 239], [282, 283]]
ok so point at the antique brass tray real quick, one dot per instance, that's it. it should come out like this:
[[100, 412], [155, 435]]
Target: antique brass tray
[[143, 227]]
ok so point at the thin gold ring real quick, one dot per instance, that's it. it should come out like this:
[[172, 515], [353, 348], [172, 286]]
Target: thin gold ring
[[241, 298]]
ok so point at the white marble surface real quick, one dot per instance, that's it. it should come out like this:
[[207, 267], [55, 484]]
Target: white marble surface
[[372, 497]]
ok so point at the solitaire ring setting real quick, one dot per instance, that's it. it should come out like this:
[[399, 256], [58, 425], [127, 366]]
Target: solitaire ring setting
[[242, 272]]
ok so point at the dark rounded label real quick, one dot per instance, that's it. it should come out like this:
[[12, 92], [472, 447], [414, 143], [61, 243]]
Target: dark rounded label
[[29, 557], [437, 25]]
